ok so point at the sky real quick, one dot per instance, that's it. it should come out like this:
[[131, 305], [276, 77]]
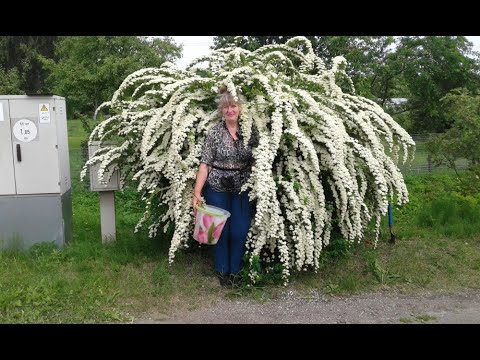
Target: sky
[[195, 46], [476, 42]]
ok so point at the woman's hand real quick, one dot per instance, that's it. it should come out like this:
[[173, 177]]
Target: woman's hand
[[197, 199]]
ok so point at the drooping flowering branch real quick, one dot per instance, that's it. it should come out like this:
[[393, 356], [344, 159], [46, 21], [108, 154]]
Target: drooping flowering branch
[[325, 156]]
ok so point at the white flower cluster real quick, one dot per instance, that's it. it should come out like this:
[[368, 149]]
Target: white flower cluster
[[326, 160]]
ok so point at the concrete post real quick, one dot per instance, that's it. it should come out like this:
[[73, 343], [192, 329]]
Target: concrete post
[[107, 216]]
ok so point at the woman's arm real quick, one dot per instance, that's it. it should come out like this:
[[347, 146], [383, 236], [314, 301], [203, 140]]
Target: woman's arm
[[202, 175], [208, 156]]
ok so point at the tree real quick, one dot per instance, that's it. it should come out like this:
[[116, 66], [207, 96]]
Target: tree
[[325, 159], [22, 54], [9, 82], [90, 68], [433, 66], [461, 141]]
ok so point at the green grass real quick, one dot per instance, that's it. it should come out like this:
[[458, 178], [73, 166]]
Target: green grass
[[439, 206], [437, 248], [76, 134]]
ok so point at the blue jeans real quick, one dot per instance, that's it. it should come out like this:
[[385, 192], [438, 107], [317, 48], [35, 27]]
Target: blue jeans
[[230, 248]]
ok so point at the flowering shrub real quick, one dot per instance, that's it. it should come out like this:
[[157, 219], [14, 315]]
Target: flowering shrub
[[326, 159]]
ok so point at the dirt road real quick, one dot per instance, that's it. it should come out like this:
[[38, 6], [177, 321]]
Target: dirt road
[[377, 308]]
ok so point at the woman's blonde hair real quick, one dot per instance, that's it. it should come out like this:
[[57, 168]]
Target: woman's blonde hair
[[224, 98]]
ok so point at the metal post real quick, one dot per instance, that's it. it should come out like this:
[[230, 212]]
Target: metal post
[[390, 224], [107, 216]]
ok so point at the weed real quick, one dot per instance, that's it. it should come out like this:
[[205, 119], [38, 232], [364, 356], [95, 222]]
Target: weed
[[425, 318]]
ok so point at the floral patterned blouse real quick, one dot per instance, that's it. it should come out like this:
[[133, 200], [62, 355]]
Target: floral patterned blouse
[[229, 160]]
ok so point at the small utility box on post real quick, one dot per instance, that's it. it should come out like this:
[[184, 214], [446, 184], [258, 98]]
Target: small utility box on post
[[35, 189], [107, 197]]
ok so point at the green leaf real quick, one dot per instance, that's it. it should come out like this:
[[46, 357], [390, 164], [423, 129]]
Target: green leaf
[[296, 186], [210, 232]]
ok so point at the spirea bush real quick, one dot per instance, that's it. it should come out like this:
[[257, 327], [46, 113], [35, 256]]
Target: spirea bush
[[326, 158]]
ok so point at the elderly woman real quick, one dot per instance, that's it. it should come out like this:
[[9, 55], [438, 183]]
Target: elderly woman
[[225, 166]]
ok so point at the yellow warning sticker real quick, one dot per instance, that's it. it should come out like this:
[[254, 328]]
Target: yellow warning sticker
[[44, 112]]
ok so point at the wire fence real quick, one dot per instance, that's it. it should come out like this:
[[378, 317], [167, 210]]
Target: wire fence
[[422, 163]]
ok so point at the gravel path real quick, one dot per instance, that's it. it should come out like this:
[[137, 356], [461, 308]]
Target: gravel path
[[377, 308]]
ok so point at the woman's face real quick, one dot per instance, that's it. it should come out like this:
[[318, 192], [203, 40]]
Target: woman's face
[[231, 112]]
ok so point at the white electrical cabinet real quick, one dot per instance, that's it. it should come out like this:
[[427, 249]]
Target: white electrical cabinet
[[35, 188]]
